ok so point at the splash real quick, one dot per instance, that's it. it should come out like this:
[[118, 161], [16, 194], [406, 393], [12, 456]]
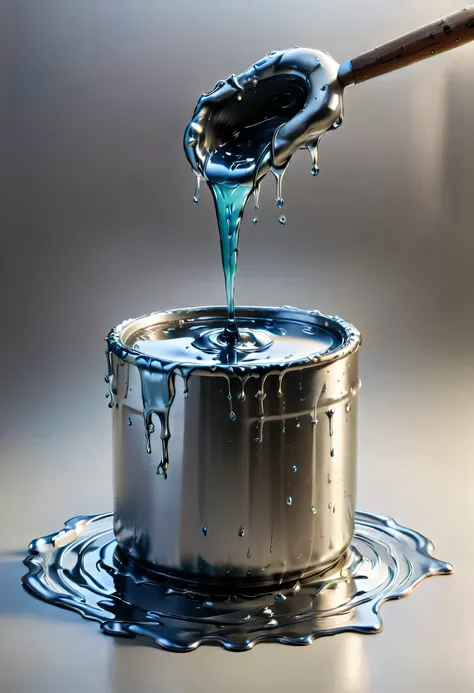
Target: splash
[[80, 568]]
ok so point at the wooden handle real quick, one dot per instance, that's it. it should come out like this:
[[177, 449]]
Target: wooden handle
[[425, 42]]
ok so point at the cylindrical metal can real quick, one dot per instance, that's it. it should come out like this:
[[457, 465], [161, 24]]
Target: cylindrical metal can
[[262, 477]]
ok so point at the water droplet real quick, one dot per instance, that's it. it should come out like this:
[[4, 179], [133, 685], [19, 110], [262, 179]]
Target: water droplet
[[239, 97], [209, 604], [298, 423], [324, 87], [279, 202], [314, 170], [314, 421], [129, 421], [232, 416], [255, 81], [249, 553], [279, 597], [271, 53], [289, 500], [282, 220], [348, 407], [266, 611], [204, 530], [313, 510], [255, 221], [332, 452], [294, 468], [330, 506], [241, 532]]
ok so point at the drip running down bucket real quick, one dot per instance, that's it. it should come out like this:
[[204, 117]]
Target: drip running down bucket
[[259, 485]]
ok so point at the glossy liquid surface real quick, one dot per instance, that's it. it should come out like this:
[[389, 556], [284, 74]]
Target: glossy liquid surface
[[80, 568]]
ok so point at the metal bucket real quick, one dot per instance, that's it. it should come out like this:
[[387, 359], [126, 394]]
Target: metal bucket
[[265, 497]]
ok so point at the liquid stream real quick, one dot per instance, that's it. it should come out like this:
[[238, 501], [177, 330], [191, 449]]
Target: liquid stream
[[252, 124]]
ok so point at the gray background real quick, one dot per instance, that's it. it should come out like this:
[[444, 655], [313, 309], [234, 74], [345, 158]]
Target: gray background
[[97, 225]]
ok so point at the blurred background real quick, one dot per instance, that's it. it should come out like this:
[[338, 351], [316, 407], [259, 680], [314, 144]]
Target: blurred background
[[97, 225]]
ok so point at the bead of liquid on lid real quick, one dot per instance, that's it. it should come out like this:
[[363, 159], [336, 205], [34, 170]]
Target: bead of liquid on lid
[[289, 500], [282, 220]]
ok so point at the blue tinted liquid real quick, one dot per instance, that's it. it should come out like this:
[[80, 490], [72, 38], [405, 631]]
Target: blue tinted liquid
[[230, 201]]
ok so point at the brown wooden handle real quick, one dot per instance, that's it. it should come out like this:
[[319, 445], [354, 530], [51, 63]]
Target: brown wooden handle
[[425, 42]]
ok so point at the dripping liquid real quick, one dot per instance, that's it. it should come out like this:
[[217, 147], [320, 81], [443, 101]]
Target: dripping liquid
[[241, 134]]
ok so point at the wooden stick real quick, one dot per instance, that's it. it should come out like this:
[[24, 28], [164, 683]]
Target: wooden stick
[[429, 40]]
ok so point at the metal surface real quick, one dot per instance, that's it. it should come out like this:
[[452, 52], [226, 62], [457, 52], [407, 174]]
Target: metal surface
[[241, 503]]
